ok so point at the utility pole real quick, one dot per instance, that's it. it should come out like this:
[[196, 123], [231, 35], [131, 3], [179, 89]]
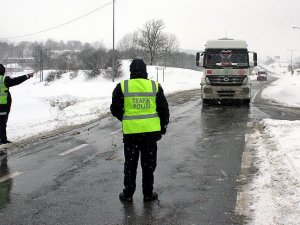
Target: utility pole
[[292, 68], [41, 65], [113, 52]]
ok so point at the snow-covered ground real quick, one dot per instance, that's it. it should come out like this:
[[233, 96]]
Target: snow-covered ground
[[276, 187], [285, 90]]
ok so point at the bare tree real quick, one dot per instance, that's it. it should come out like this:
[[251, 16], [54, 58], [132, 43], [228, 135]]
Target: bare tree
[[98, 45], [128, 45], [93, 61], [109, 68], [152, 38], [171, 46], [42, 57]]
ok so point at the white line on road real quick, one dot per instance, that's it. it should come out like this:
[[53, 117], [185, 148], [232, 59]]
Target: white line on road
[[9, 176], [246, 137], [246, 160], [73, 149]]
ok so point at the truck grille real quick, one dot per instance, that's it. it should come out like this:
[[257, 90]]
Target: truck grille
[[222, 80], [226, 93]]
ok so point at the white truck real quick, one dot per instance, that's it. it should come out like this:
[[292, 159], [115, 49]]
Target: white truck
[[226, 70]]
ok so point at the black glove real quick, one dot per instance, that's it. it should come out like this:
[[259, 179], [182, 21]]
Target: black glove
[[163, 129], [30, 74]]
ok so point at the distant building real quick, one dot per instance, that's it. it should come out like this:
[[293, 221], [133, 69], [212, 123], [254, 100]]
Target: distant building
[[277, 57], [24, 61], [13, 68]]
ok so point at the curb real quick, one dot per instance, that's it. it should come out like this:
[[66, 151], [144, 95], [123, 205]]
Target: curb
[[243, 196]]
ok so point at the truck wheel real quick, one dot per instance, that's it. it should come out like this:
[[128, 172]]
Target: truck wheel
[[246, 101], [205, 101]]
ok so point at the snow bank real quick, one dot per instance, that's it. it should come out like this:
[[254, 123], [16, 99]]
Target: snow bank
[[276, 186]]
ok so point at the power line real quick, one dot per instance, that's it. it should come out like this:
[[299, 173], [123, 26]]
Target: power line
[[66, 23]]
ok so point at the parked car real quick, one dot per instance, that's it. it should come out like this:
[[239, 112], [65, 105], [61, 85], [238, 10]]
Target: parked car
[[262, 75]]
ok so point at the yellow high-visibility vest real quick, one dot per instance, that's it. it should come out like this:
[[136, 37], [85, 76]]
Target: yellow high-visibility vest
[[3, 91], [140, 115]]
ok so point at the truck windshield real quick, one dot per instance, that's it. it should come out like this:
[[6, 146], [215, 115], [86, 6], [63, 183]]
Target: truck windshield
[[236, 58]]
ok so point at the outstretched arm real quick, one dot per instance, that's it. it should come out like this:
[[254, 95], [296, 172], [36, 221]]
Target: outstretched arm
[[9, 82]]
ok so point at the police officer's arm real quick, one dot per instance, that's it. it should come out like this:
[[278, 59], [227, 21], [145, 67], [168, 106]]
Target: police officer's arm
[[9, 82], [117, 104], [162, 107]]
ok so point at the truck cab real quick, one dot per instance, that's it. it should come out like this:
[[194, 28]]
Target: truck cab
[[226, 70]]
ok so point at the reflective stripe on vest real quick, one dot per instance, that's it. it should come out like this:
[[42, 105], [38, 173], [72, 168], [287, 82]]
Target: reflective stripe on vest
[[142, 94], [3, 91], [140, 115]]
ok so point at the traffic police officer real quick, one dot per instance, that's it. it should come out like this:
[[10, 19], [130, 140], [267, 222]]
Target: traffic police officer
[[143, 109], [5, 99]]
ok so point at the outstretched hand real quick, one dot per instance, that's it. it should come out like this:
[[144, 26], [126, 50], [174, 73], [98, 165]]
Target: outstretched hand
[[30, 74]]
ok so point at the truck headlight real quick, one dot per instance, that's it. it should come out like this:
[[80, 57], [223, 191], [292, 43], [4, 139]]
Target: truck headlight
[[207, 80], [245, 81], [207, 91], [246, 90]]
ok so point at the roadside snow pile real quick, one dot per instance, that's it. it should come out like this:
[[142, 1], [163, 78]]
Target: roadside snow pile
[[275, 189], [38, 106], [276, 186], [284, 91]]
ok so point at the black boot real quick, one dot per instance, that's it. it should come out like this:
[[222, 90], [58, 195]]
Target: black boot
[[4, 141], [3, 154], [150, 198], [124, 198]]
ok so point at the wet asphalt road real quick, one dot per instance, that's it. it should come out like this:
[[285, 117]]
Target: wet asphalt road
[[76, 177]]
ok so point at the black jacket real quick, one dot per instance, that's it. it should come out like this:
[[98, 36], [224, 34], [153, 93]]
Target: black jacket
[[162, 108], [9, 82]]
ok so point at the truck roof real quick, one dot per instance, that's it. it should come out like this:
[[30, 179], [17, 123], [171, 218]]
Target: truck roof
[[226, 43]]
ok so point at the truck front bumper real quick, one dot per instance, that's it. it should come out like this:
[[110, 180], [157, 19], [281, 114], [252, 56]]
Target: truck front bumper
[[226, 92]]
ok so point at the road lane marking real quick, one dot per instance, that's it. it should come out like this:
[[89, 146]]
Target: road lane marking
[[246, 160], [250, 124], [254, 96], [9, 176], [73, 149], [243, 194], [114, 132]]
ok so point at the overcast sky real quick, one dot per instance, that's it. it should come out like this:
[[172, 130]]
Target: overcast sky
[[265, 24]]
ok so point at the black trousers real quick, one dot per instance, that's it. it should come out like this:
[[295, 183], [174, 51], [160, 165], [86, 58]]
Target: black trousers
[[148, 150], [3, 122]]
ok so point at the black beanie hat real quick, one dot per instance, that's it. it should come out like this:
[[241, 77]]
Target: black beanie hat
[[2, 69], [138, 67]]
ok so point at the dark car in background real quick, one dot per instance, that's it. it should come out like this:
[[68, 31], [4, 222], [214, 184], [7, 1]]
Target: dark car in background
[[262, 75]]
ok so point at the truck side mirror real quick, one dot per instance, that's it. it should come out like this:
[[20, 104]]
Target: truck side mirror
[[254, 58], [197, 59]]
